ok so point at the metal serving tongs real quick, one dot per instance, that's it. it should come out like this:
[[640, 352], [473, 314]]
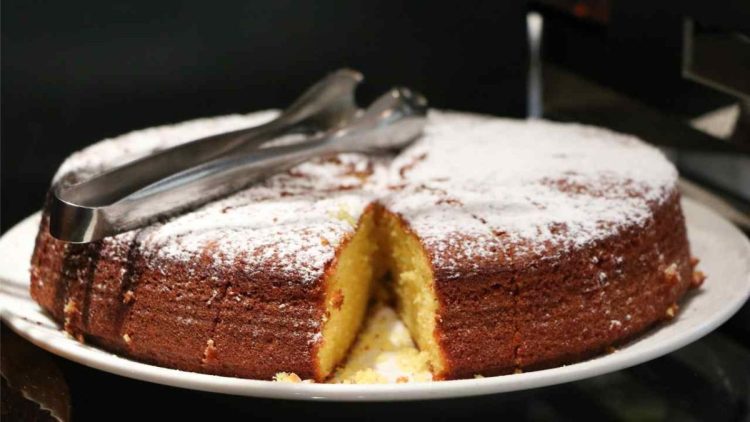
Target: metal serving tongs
[[176, 179]]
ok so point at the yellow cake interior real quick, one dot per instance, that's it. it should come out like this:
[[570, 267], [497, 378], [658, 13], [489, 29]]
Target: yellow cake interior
[[380, 245], [383, 353], [413, 285], [347, 294]]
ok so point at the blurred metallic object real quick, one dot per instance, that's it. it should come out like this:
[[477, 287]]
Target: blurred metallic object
[[534, 27], [715, 202], [720, 59]]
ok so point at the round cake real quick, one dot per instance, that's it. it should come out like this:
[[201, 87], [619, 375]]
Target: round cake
[[506, 245]]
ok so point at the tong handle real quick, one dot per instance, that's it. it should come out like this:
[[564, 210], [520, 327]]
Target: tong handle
[[113, 185], [327, 104], [391, 122], [78, 223]]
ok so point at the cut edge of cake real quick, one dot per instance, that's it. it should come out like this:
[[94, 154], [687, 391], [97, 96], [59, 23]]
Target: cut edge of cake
[[348, 288], [413, 282], [381, 249]]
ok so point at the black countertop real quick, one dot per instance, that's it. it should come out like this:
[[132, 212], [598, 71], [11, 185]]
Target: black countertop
[[707, 380]]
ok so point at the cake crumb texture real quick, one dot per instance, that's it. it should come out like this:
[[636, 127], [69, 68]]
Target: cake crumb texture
[[384, 353]]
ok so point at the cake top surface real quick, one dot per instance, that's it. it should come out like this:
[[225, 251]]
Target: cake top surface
[[473, 188], [536, 186]]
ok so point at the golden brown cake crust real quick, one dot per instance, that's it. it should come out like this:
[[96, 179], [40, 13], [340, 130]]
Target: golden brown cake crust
[[539, 314], [190, 316]]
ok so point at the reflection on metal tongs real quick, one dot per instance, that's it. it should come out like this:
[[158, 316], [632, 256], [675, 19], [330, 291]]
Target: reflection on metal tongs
[[192, 174]]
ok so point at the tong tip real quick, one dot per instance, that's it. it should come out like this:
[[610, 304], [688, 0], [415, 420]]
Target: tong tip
[[350, 73]]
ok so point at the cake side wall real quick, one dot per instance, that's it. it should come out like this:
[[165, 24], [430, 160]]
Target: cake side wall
[[266, 325], [46, 286], [558, 311], [80, 289], [170, 309], [476, 325], [195, 317], [605, 294], [109, 294], [110, 297]]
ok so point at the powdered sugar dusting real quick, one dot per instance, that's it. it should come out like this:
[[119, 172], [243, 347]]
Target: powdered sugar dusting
[[289, 226], [536, 185], [288, 236], [458, 243], [472, 188]]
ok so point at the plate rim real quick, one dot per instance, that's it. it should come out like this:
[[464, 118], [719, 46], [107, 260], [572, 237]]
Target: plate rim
[[103, 360]]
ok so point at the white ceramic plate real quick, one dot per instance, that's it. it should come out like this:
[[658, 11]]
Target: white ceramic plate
[[725, 257]]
